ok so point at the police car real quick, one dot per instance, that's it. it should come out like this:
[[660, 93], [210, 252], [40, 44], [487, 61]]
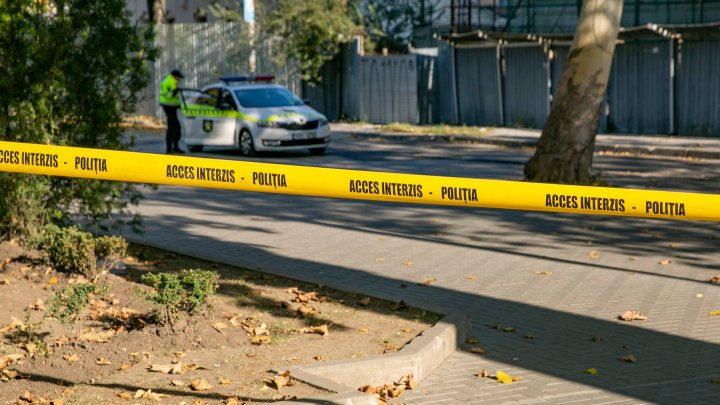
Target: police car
[[253, 114]]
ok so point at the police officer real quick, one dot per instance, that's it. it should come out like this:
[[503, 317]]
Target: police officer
[[170, 103]]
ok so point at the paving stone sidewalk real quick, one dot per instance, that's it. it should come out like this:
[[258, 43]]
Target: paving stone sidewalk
[[543, 291]]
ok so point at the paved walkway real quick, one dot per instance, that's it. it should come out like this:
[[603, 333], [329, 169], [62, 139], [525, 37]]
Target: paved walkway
[[494, 267], [657, 145]]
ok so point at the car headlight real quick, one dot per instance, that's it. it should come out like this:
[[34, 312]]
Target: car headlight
[[268, 124]]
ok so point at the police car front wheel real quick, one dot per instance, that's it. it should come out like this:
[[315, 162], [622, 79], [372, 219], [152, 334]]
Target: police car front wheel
[[247, 147]]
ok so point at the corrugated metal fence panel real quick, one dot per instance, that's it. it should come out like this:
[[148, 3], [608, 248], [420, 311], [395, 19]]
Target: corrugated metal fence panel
[[639, 88], [698, 88], [389, 89], [446, 96], [526, 86], [477, 87], [427, 89]]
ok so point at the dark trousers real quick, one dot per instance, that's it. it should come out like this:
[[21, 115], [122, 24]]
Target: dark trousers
[[172, 136]]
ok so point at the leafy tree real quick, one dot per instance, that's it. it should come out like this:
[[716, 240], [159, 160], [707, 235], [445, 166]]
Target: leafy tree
[[565, 150], [309, 31], [69, 70], [394, 24]]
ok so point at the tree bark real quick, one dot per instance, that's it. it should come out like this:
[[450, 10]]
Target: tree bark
[[159, 12], [564, 152]]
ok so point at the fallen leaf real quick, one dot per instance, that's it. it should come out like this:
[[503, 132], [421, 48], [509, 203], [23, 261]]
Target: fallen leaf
[[715, 380], [364, 330], [102, 361], [471, 277], [400, 305], [544, 273], [674, 245], [715, 279], [193, 367], [38, 305], [260, 340], [503, 377], [282, 379], [8, 374], [224, 381], [408, 264], [53, 280], [124, 366], [320, 330], [176, 368], [71, 358], [305, 310], [591, 371], [529, 336], [628, 359], [319, 357], [482, 374], [368, 389], [124, 395], [200, 385], [219, 326], [596, 339], [594, 254], [472, 340], [148, 395], [177, 383], [14, 324], [428, 281], [365, 301], [665, 262], [97, 337], [509, 329], [714, 313], [632, 315], [478, 350]]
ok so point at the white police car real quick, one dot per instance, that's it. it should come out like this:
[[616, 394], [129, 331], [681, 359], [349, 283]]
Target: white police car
[[253, 114]]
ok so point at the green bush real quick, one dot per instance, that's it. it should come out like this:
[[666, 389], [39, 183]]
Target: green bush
[[187, 291], [70, 302], [72, 250]]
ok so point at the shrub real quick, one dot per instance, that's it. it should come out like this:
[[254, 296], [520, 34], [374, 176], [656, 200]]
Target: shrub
[[110, 250], [70, 302], [72, 250], [187, 291]]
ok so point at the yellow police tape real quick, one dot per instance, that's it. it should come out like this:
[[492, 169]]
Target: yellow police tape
[[355, 184]]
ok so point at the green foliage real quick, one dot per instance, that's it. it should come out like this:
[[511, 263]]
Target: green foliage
[[72, 250], [310, 32], [395, 24], [68, 303], [187, 291], [69, 70], [27, 333]]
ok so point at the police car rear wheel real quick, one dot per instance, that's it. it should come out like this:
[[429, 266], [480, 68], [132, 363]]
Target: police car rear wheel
[[317, 151], [247, 147], [195, 148]]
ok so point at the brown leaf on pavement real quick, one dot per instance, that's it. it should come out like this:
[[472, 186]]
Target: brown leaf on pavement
[[38, 305], [665, 262], [408, 264], [102, 361], [483, 373], [472, 340], [632, 315], [365, 301], [260, 340], [282, 379], [428, 281], [714, 313], [14, 324], [544, 273], [478, 350], [177, 383], [304, 310], [594, 254], [124, 366], [364, 330], [97, 337], [715, 279], [628, 359], [224, 381], [200, 385], [176, 368], [503, 377]]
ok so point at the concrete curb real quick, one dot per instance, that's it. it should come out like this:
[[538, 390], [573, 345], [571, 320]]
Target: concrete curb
[[419, 357], [530, 142]]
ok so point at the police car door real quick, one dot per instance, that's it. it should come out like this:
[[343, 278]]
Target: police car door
[[207, 120]]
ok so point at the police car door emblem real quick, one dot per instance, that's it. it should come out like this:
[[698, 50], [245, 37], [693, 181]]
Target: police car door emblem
[[207, 125]]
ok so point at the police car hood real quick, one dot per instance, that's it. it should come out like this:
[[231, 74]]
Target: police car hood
[[301, 113]]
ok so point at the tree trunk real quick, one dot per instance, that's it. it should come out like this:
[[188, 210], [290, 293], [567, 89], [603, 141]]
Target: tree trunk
[[159, 12], [564, 152]]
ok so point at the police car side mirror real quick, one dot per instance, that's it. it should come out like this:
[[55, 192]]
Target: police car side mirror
[[306, 101]]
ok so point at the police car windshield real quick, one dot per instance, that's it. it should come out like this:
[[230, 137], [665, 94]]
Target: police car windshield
[[267, 97]]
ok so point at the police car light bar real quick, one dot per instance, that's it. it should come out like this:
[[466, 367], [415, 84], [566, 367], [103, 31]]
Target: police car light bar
[[259, 78]]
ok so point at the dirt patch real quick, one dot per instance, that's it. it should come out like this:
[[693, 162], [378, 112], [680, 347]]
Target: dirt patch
[[108, 354]]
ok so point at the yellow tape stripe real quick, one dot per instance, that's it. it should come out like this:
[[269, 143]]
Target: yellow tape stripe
[[355, 184]]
